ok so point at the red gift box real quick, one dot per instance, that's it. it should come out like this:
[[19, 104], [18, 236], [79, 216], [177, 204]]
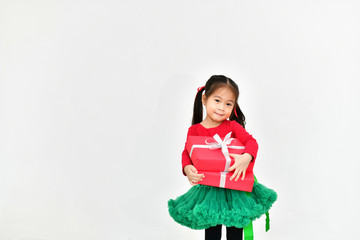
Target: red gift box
[[222, 179], [204, 158]]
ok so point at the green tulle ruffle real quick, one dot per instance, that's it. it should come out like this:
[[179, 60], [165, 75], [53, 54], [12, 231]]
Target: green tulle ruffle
[[205, 206]]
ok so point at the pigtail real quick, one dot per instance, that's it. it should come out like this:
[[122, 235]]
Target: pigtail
[[198, 107], [240, 118]]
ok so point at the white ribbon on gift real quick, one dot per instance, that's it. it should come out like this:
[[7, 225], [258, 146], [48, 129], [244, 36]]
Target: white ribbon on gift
[[224, 145]]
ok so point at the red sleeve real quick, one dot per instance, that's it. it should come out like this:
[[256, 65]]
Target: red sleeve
[[251, 146], [185, 154]]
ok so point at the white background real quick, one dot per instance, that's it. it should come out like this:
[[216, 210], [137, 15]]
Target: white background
[[96, 98]]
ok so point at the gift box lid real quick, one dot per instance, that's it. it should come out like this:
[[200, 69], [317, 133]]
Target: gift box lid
[[202, 142], [198, 149]]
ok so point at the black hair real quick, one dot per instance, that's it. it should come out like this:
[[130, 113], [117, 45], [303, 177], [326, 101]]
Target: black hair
[[215, 82]]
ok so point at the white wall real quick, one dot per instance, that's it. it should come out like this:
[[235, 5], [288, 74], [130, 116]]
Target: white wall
[[96, 99]]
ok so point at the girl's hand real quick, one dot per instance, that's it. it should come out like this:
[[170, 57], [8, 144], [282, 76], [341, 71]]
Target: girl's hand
[[192, 175], [241, 163]]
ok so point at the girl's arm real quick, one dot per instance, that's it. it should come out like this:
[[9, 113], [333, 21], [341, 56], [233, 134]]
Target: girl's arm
[[251, 145], [187, 168], [185, 160], [242, 161]]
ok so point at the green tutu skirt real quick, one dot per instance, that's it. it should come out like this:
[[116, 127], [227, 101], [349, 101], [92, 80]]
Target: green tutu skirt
[[206, 206]]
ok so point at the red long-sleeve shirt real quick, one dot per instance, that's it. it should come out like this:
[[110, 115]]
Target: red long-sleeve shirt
[[224, 128]]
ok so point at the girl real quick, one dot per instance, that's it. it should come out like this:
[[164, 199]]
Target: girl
[[207, 207]]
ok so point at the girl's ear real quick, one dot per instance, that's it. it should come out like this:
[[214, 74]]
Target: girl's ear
[[203, 99]]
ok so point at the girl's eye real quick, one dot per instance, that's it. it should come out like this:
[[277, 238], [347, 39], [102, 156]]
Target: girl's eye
[[217, 100], [229, 104]]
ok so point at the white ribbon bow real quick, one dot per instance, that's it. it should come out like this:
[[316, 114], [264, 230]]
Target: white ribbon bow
[[223, 144]]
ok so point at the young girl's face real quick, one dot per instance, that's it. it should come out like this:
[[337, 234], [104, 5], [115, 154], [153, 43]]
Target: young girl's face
[[219, 105]]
